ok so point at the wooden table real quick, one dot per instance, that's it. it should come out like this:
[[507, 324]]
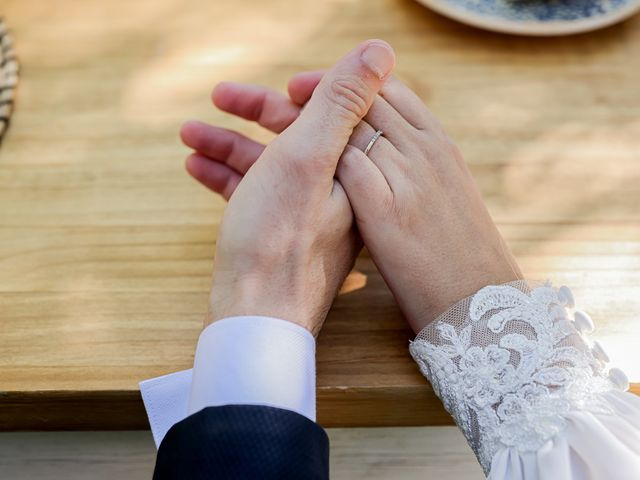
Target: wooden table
[[106, 245]]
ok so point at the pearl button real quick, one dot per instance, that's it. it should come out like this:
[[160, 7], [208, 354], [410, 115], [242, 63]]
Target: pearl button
[[599, 352], [583, 322], [566, 296], [559, 313], [619, 379]]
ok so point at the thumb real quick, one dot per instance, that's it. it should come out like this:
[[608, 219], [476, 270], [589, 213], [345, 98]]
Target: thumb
[[340, 101]]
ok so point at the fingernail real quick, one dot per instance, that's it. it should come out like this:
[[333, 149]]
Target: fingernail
[[379, 58]]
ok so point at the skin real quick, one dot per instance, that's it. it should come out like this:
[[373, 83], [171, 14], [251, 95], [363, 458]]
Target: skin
[[287, 240], [414, 201]]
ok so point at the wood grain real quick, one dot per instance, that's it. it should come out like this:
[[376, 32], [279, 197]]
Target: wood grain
[[106, 245]]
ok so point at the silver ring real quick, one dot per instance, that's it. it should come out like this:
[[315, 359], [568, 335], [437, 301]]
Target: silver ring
[[375, 137]]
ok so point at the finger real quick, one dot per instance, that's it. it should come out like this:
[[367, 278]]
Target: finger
[[383, 116], [215, 176], [269, 108], [363, 182], [408, 104], [222, 145], [302, 85], [339, 102], [382, 153]]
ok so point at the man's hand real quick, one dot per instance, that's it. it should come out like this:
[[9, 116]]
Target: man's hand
[[222, 157], [287, 240]]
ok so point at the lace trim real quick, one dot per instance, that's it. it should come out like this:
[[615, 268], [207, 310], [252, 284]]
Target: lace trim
[[508, 363]]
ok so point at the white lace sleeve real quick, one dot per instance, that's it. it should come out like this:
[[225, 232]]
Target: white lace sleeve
[[532, 395]]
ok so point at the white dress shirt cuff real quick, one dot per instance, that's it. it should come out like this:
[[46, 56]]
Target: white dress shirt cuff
[[238, 361]]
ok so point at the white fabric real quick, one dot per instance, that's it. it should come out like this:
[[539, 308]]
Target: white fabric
[[243, 361], [166, 401], [532, 395], [591, 446]]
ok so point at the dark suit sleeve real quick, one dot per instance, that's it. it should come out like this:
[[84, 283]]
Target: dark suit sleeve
[[244, 442]]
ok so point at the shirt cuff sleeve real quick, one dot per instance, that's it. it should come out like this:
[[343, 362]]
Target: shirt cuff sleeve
[[243, 361]]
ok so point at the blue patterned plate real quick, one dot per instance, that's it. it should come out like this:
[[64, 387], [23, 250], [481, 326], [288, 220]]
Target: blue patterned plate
[[536, 17]]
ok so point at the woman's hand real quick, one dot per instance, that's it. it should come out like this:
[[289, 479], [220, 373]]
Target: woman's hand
[[287, 240], [419, 210]]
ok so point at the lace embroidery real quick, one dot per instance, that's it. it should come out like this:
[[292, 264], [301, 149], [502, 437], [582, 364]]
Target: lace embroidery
[[509, 364]]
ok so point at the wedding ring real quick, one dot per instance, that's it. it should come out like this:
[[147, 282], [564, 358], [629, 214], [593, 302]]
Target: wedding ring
[[375, 137]]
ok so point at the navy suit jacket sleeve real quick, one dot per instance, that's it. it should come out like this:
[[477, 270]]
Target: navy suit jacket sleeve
[[244, 442]]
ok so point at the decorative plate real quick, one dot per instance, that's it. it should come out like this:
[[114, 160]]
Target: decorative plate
[[536, 17]]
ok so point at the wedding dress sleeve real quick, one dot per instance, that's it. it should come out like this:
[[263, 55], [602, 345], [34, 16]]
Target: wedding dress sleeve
[[532, 394]]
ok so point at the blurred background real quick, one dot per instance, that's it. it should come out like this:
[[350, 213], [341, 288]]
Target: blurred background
[[106, 243]]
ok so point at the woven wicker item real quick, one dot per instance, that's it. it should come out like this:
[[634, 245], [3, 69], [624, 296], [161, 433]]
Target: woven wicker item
[[8, 78]]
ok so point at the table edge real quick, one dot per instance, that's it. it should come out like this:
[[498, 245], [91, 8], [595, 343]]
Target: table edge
[[338, 407]]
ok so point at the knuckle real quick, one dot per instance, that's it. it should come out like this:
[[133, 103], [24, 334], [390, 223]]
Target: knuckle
[[452, 149], [350, 155], [428, 150], [350, 95], [448, 149], [440, 151]]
